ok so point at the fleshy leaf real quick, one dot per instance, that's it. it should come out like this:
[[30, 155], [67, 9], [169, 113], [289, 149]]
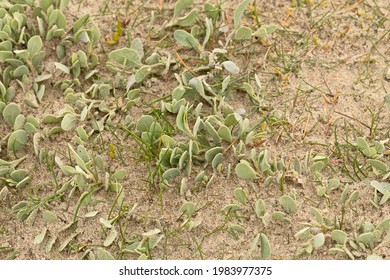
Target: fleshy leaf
[[231, 67], [125, 57], [10, 113], [171, 173], [186, 39], [339, 236], [181, 6], [260, 208], [245, 171], [68, 122], [240, 195], [264, 31], [243, 33], [142, 73], [34, 45], [188, 208], [17, 140], [102, 254], [39, 238], [288, 204], [318, 240], [265, 247], [238, 12], [110, 237]]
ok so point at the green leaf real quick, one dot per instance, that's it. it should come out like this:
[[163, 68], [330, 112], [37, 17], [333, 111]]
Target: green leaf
[[188, 208], [231, 67], [339, 236], [67, 241], [288, 204], [385, 198], [69, 122], [20, 71], [265, 247], [264, 31], [49, 216], [245, 171], [23, 183], [181, 120], [18, 175], [377, 164], [318, 240], [374, 257], [136, 44], [17, 140], [119, 175], [83, 200], [243, 33], [180, 7], [367, 239], [217, 160], [317, 166], [303, 233], [232, 119], [4, 55], [225, 133], [211, 11], [238, 12], [197, 84], [240, 195], [126, 57], [280, 216], [381, 187], [38, 58], [189, 19], [151, 233], [142, 73], [209, 31], [39, 238], [102, 254], [19, 122], [210, 154], [113, 234], [62, 67], [231, 208], [233, 228], [171, 173], [10, 113], [212, 132], [317, 215], [363, 146], [91, 214], [186, 39], [105, 223], [34, 45], [260, 208], [143, 257], [144, 123], [354, 196], [383, 225], [50, 243], [333, 184], [80, 23]]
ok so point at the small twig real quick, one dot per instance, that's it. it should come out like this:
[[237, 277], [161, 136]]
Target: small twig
[[353, 118], [184, 64]]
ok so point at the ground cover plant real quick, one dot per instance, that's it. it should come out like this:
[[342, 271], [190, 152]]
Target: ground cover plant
[[194, 129]]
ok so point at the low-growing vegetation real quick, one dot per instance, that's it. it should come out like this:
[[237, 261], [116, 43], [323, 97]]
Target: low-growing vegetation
[[194, 129]]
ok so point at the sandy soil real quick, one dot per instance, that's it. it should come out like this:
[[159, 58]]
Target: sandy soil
[[332, 78]]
